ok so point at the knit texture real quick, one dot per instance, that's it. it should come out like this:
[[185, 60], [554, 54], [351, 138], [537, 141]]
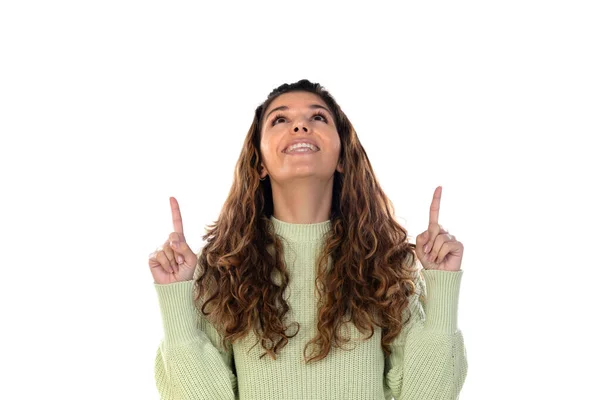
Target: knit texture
[[428, 359]]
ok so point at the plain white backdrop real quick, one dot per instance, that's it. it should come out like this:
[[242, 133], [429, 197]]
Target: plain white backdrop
[[108, 108]]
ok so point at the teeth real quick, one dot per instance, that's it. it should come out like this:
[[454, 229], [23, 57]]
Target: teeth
[[298, 145]]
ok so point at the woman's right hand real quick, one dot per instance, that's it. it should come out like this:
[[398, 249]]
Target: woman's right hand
[[174, 261]]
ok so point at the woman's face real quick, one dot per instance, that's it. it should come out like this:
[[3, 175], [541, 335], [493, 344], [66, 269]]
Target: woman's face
[[305, 118]]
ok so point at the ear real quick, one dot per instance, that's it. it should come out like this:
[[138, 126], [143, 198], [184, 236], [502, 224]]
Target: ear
[[339, 168], [263, 171]]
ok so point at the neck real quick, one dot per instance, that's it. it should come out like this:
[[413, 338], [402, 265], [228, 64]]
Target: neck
[[302, 201], [301, 233]]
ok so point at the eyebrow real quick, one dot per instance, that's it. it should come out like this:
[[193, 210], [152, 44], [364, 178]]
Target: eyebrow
[[312, 107]]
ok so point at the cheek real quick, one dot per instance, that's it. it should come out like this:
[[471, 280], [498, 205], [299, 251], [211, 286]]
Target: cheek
[[336, 144], [267, 148], [263, 143]]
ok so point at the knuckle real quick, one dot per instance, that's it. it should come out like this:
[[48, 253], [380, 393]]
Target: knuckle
[[166, 260], [163, 260]]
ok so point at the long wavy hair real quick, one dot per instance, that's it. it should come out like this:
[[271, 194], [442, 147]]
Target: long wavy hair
[[373, 265]]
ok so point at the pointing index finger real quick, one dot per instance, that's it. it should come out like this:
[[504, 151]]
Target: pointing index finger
[[176, 214], [434, 210]]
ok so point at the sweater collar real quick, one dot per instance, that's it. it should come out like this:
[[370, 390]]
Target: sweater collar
[[300, 232]]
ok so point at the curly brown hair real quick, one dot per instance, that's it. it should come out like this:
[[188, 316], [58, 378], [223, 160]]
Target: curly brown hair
[[374, 265]]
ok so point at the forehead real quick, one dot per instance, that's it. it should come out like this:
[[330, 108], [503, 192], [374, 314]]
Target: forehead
[[295, 100]]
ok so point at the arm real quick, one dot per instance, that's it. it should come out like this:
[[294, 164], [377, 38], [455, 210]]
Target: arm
[[190, 362], [428, 359]]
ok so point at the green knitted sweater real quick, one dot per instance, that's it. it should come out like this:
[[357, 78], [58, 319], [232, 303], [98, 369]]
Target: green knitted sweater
[[428, 359]]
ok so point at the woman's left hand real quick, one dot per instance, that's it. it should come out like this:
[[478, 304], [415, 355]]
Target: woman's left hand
[[436, 248]]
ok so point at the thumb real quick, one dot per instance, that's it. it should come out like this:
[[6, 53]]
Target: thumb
[[183, 253]]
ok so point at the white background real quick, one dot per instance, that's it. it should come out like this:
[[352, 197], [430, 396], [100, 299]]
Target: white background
[[108, 108]]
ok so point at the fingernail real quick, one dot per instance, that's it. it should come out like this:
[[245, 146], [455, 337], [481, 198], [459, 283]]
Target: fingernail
[[180, 259], [425, 249]]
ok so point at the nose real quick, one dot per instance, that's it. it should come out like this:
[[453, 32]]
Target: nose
[[300, 125]]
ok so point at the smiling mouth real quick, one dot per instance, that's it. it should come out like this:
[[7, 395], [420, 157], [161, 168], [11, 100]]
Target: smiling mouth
[[301, 150]]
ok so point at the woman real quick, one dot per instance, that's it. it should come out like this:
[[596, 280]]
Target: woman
[[307, 260]]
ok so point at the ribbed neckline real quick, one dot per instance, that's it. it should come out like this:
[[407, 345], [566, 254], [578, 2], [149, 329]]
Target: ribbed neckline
[[301, 232]]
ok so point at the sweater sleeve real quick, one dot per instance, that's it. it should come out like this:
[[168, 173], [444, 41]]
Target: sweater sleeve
[[190, 362], [428, 359]]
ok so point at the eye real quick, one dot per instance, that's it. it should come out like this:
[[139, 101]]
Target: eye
[[320, 114], [317, 113], [276, 118]]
